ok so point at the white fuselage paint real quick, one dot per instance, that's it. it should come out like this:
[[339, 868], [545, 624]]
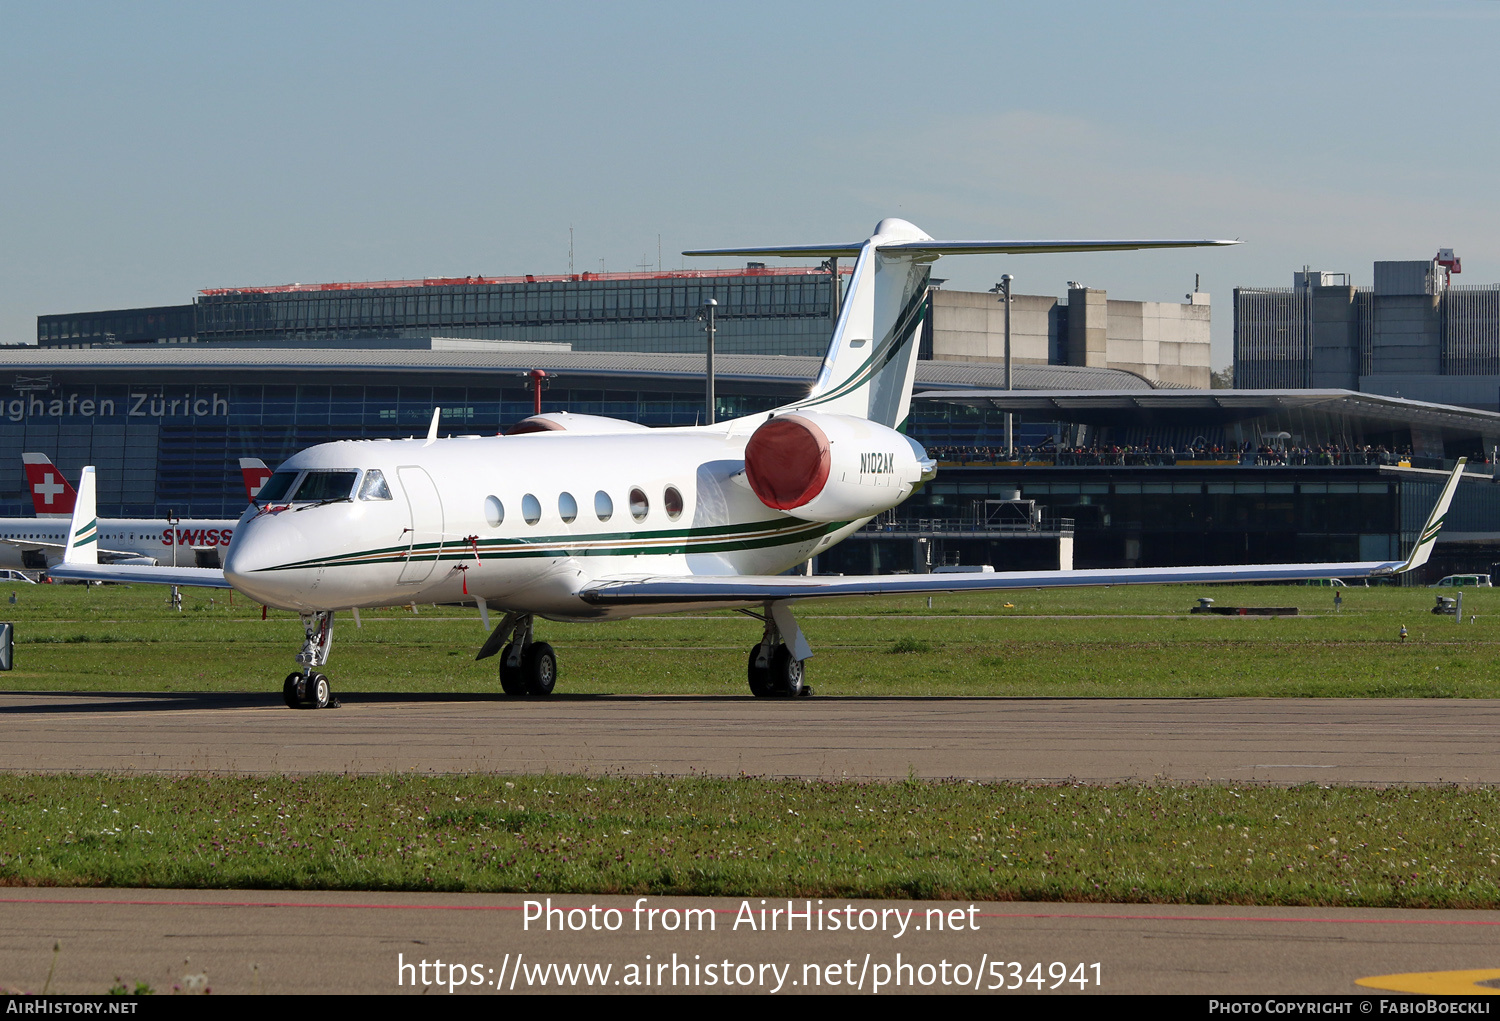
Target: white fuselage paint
[[360, 553]]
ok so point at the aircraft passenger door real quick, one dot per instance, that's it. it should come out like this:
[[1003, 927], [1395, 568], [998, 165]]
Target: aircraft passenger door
[[424, 534]]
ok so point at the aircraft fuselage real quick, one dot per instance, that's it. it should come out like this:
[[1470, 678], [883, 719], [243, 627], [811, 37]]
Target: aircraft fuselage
[[525, 522], [153, 538]]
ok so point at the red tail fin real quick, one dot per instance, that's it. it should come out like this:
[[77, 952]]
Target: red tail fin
[[50, 493], [255, 473]]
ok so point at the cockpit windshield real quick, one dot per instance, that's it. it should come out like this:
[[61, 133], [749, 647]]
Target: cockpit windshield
[[277, 487], [315, 486], [322, 486]]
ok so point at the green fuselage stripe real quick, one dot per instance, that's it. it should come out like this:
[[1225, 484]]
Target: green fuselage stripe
[[620, 544]]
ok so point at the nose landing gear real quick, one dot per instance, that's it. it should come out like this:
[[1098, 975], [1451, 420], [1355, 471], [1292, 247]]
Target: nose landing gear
[[308, 688], [308, 691]]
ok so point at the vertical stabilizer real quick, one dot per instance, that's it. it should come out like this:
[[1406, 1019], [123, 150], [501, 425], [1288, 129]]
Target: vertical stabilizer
[[872, 360], [254, 471], [872, 357], [51, 496], [83, 530]]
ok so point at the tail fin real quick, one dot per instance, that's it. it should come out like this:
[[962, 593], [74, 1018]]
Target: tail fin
[[51, 495], [255, 473], [83, 531], [872, 358]]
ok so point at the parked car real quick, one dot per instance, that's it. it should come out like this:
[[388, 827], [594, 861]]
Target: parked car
[[1465, 581], [21, 576]]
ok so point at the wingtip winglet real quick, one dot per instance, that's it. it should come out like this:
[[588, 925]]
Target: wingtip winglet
[[1434, 524]]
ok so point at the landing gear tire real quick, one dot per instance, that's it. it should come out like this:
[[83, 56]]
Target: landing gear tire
[[512, 679], [760, 676], [304, 691], [319, 694], [786, 673], [292, 690], [539, 667]]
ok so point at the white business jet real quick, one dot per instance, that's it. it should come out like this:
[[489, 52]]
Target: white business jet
[[577, 517]]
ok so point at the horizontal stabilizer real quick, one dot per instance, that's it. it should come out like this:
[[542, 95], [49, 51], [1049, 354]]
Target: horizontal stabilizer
[[964, 248], [791, 251], [1040, 247]]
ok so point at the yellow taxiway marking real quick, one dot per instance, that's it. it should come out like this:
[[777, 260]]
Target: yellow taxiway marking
[[1441, 983]]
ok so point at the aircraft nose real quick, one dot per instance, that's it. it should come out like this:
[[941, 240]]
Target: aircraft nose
[[260, 546]]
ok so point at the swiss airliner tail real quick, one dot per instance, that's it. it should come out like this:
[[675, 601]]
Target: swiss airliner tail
[[255, 473], [51, 495]]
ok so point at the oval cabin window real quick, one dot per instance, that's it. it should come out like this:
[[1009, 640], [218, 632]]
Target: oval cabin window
[[603, 506], [567, 508], [531, 509], [494, 511], [639, 506]]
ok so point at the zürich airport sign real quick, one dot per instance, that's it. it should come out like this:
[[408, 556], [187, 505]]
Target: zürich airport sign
[[139, 405]]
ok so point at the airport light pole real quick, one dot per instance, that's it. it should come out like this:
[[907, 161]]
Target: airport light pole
[[834, 302], [709, 307], [537, 380], [1003, 289]]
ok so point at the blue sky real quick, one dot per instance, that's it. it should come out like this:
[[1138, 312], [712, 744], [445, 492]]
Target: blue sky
[[151, 149]]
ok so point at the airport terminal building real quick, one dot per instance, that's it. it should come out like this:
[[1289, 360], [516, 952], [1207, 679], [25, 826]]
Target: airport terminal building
[[761, 310], [165, 400], [1416, 333]]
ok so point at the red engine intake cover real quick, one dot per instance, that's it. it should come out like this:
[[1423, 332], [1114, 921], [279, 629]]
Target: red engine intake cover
[[787, 462]]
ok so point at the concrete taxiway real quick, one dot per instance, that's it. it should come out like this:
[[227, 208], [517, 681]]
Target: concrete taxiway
[[1366, 741], [281, 942]]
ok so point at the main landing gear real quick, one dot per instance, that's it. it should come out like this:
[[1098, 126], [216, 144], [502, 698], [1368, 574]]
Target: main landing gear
[[308, 688], [527, 667], [775, 669]]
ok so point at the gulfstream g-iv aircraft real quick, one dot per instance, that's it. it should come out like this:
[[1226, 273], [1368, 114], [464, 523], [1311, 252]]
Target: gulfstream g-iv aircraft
[[577, 517]]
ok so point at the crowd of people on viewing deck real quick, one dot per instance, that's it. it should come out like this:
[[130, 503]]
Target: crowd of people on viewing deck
[[1155, 454]]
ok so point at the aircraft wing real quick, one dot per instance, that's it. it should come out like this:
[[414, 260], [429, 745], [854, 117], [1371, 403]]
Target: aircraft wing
[[141, 574], [691, 589], [57, 549], [754, 589], [30, 544]]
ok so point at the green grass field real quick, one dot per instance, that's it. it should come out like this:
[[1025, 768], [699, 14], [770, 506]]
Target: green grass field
[[692, 835], [1154, 843], [1135, 641]]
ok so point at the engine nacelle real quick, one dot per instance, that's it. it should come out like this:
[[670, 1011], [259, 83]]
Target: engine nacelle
[[832, 467]]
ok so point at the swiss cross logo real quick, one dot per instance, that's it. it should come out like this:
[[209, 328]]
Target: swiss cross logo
[[48, 488], [255, 478]]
